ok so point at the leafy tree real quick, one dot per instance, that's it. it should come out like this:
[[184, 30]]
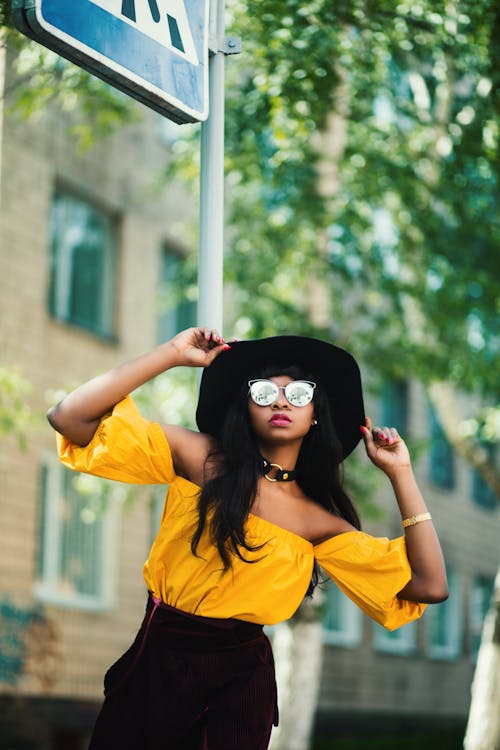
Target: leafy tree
[[43, 77], [362, 172], [390, 202], [16, 417], [402, 225]]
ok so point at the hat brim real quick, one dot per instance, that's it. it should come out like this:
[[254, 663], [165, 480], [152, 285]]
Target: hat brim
[[333, 368]]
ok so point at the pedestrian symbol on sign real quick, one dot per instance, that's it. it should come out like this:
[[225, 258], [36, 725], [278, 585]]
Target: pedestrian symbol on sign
[[165, 21]]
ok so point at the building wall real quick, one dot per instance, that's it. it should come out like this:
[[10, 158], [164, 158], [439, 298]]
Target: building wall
[[120, 175]]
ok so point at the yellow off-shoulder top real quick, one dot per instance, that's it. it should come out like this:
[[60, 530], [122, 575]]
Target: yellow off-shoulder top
[[370, 570]]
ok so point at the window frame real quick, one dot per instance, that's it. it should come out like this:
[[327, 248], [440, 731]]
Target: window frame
[[46, 587], [395, 404], [453, 625], [183, 313], [480, 581], [60, 293], [481, 493], [402, 642], [350, 632], [438, 441]]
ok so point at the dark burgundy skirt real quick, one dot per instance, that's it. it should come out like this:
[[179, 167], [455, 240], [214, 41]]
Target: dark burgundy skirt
[[189, 683]]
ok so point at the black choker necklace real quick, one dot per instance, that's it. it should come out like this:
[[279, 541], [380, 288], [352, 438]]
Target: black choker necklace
[[275, 473]]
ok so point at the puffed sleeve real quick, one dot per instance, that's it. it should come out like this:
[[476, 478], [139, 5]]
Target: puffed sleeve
[[125, 447], [371, 571]]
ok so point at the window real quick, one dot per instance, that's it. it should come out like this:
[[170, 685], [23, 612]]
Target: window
[[394, 405], [76, 549], [83, 261], [482, 493], [441, 456], [401, 641], [342, 620], [444, 622], [176, 310], [479, 604]]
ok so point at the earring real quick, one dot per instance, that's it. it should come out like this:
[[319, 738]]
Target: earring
[[314, 422]]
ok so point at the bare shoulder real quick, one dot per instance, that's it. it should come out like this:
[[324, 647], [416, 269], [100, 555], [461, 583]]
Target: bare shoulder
[[189, 451], [323, 524]]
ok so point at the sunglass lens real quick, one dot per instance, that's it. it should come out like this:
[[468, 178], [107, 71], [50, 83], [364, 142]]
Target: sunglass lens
[[299, 393], [263, 392]]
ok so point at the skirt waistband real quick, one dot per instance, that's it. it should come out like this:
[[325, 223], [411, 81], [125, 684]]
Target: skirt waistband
[[197, 633]]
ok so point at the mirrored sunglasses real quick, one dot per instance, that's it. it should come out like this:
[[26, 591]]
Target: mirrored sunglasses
[[266, 392]]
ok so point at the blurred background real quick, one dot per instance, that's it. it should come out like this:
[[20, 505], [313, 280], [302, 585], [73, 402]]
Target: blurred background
[[362, 194]]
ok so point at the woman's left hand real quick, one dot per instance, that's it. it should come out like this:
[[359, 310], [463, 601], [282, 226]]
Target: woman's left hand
[[385, 447]]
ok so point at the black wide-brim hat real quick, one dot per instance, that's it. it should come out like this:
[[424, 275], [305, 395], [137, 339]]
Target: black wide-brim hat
[[334, 369]]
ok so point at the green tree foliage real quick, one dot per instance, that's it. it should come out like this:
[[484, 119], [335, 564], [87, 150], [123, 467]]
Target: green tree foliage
[[408, 236], [5, 19], [398, 104], [361, 156], [43, 77], [16, 417]]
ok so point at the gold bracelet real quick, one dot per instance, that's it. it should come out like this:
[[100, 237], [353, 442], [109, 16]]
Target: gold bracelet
[[412, 520]]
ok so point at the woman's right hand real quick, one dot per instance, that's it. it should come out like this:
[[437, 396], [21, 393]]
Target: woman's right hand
[[198, 347], [78, 415]]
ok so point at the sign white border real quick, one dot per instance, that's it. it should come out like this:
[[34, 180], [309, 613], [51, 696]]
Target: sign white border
[[115, 73]]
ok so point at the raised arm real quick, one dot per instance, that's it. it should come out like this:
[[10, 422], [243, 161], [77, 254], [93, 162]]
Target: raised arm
[[78, 415], [388, 451]]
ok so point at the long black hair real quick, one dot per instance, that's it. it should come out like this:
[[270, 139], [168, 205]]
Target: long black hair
[[235, 467]]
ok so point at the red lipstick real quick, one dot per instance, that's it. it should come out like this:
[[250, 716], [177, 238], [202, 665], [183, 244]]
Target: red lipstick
[[280, 419]]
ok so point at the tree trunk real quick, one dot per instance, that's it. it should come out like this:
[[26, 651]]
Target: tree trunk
[[297, 647], [483, 727]]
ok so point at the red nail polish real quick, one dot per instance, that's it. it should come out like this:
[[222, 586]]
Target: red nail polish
[[225, 347]]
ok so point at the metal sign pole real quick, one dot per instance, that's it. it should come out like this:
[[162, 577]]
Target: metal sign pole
[[210, 279]]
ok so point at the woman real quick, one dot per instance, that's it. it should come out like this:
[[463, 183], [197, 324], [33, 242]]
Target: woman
[[255, 504]]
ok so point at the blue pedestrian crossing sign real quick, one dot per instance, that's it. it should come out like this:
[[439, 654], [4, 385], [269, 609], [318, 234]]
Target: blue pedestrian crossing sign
[[153, 50]]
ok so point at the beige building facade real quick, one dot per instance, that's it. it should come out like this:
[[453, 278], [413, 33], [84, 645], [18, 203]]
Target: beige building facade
[[71, 588], [89, 240]]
